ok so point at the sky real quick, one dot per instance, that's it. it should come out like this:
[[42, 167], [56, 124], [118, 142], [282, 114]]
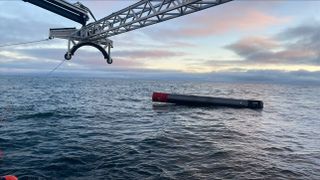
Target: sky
[[244, 38]]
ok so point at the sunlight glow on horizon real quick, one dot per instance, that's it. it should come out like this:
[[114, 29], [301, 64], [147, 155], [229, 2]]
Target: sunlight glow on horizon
[[230, 67]]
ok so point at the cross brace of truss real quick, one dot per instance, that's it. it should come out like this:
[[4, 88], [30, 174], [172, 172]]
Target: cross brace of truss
[[141, 14]]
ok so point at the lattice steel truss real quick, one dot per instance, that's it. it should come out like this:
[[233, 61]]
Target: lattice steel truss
[[141, 14]]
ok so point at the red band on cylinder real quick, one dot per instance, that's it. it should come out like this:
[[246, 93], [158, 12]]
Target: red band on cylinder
[[160, 97], [9, 177]]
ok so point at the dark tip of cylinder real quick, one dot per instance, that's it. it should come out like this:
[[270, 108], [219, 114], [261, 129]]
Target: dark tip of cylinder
[[255, 104]]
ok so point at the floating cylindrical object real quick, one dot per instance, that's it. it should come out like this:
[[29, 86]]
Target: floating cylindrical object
[[205, 101]]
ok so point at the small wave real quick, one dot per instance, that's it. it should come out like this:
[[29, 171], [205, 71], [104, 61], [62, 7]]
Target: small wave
[[37, 115], [31, 177], [278, 149], [290, 173], [220, 154], [43, 115], [69, 160]]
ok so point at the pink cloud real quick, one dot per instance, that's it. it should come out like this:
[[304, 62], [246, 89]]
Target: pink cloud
[[231, 17], [143, 54], [119, 62], [212, 25], [95, 60]]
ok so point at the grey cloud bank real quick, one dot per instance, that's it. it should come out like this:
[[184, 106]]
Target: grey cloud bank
[[297, 45], [263, 77]]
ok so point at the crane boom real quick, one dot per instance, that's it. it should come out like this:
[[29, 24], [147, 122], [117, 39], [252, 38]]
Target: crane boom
[[141, 14], [73, 12]]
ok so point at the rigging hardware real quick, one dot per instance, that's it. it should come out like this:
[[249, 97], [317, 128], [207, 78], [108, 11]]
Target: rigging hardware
[[141, 14]]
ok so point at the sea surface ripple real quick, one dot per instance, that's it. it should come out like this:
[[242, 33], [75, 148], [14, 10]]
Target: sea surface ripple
[[99, 128]]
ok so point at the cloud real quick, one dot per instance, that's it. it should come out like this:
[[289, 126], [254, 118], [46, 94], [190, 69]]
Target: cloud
[[252, 45], [21, 21], [89, 54], [305, 31], [244, 21], [305, 37], [145, 54], [13, 55], [17, 30], [47, 58], [267, 76], [227, 18], [263, 50], [250, 76], [296, 45], [43, 53]]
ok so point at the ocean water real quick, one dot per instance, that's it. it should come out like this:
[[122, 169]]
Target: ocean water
[[100, 128]]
